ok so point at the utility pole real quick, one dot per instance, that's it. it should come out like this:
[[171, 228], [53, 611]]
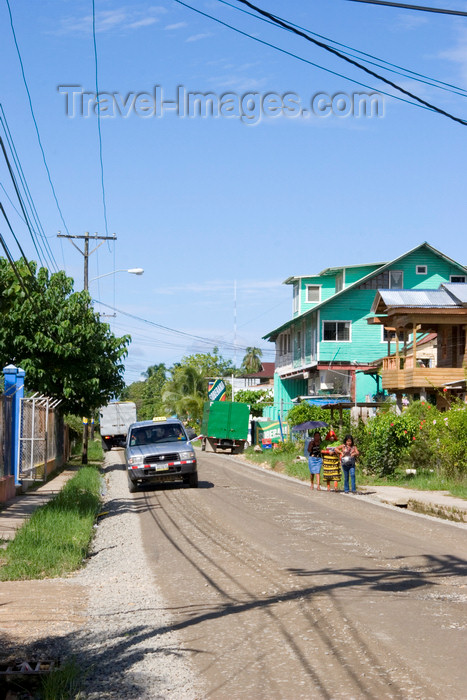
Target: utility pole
[[86, 253]]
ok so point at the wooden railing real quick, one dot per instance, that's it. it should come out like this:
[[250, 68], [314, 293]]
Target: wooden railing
[[419, 377]]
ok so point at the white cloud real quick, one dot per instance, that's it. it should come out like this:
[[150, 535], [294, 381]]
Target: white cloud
[[110, 20], [177, 25], [198, 37], [407, 22], [221, 286], [458, 53]]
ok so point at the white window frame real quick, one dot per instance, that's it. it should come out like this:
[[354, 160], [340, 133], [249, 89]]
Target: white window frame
[[418, 270], [451, 276], [314, 286], [400, 272], [341, 276], [323, 340], [296, 298]]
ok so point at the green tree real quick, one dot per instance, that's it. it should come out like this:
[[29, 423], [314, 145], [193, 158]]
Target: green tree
[[209, 364], [54, 334], [252, 360], [256, 400], [152, 404], [185, 394]]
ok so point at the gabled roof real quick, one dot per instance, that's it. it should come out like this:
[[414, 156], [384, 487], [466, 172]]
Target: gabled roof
[[272, 335], [330, 271]]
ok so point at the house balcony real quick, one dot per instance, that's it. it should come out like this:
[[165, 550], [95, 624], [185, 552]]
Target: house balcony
[[406, 376], [284, 362]]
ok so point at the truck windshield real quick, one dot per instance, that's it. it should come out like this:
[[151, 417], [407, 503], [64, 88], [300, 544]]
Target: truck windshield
[[151, 435]]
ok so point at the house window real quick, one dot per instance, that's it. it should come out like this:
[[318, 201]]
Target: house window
[[285, 344], [392, 334], [336, 331], [456, 279], [313, 293], [295, 298], [421, 270], [396, 279], [339, 281]]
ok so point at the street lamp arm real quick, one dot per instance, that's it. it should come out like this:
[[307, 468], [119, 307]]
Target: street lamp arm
[[133, 271]]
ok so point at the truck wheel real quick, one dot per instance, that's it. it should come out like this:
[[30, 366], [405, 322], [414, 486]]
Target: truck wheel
[[193, 480], [203, 445], [132, 485]]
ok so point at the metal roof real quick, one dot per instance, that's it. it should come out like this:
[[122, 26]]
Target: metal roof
[[457, 290], [419, 298]]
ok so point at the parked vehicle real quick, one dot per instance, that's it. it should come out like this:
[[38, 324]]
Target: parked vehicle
[[225, 426], [114, 421], [159, 450]]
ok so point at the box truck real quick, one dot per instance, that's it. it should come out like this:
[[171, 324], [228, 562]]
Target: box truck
[[114, 421]]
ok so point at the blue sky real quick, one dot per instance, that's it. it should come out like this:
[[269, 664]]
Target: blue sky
[[204, 203]]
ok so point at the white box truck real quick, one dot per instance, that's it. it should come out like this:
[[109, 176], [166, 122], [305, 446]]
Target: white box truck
[[114, 421]]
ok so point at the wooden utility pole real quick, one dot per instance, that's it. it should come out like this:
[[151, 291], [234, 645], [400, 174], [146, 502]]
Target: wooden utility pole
[[86, 253]]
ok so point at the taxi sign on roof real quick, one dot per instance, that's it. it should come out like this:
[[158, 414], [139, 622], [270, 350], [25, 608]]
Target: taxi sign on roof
[[159, 418]]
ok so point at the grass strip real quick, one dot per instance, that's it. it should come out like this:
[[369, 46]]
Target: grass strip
[[423, 481], [55, 540]]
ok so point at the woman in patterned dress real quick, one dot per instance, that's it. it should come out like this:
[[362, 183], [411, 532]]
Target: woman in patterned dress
[[331, 461]]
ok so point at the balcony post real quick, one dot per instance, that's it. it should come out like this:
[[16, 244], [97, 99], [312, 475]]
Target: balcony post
[[414, 344]]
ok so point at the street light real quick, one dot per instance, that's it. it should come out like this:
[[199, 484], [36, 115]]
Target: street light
[[132, 271]]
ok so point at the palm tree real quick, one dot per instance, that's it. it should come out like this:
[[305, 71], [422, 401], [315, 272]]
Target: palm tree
[[186, 393], [252, 360]]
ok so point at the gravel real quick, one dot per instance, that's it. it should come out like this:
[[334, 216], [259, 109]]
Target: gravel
[[127, 645]]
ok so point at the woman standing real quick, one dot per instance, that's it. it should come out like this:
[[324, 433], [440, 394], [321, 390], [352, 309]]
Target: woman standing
[[348, 453], [314, 460], [331, 461]]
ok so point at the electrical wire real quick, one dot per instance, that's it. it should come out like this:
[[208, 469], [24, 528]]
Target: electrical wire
[[407, 73], [202, 339], [339, 54], [34, 117], [40, 230], [15, 184], [404, 6], [300, 58]]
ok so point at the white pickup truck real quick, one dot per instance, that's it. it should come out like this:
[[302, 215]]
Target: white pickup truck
[[114, 421]]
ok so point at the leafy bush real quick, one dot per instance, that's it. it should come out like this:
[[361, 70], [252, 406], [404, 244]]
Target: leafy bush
[[304, 412], [421, 438]]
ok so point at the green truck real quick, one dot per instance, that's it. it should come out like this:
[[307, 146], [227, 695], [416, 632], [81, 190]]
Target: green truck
[[225, 426]]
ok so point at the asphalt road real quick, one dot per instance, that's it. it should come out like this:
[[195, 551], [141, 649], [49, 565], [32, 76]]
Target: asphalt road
[[282, 593]]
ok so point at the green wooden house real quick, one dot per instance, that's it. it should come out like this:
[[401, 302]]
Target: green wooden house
[[327, 348]]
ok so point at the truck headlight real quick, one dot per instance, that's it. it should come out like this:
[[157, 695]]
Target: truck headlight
[[138, 459], [187, 455]]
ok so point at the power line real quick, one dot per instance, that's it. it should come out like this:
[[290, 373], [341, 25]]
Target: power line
[[300, 58], [15, 184], [33, 116], [202, 339], [404, 6], [420, 77], [40, 230], [339, 54]]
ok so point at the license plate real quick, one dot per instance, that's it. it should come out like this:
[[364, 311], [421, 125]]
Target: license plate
[[161, 468]]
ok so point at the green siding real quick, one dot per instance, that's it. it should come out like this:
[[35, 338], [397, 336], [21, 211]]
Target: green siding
[[366, 344], [328, 288], [365, 386], [353, 274]]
